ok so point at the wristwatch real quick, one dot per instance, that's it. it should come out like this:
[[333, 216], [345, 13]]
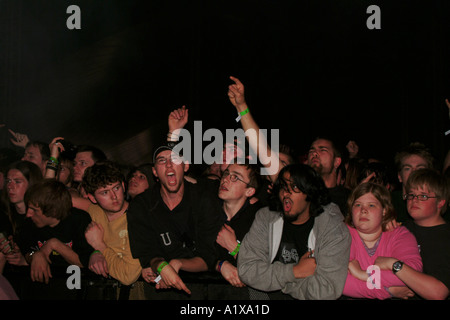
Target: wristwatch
[[397, 266]]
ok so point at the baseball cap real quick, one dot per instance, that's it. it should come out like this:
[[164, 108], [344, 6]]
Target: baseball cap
[[167, 145]]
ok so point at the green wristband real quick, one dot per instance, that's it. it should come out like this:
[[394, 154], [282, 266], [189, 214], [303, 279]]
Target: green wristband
[[241, 114], [95, 251], [54, 160], [244, 112], [236, 250], [161, 266]]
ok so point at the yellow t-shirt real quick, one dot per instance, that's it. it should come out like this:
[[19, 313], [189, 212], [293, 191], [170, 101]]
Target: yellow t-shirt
[[121, 264]]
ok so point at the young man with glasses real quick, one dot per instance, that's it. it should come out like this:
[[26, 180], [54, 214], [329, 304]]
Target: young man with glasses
[[173, 228], [426, 198], [238, 185], [299, 247]]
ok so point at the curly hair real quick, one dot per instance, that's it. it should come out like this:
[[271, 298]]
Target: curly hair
[[100, 175]]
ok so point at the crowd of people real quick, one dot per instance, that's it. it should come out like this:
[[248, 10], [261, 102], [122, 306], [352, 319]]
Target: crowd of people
[[329, 225]]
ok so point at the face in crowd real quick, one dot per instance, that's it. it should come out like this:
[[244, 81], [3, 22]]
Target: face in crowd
[[111, 198], [137, 184], [169, 169], [321, 157], [294, 201], [16, 185], [408, 165], [235, 183], [82, 161], [33, 154]]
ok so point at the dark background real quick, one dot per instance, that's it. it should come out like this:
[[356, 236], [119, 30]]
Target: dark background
[[309, 67]]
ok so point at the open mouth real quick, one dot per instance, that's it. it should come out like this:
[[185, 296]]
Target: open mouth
[[287, 205], [171, 178]]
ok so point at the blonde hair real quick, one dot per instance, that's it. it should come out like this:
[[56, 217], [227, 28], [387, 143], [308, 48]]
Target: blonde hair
[[432, 180]]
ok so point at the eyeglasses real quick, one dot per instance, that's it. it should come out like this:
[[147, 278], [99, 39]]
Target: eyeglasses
[[234, 178], [173, 159], [420, 197]]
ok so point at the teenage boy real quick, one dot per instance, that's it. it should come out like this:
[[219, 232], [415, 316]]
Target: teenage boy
[[238, 185], [56, 236], [173, 228], [426, 195], [108, 231]]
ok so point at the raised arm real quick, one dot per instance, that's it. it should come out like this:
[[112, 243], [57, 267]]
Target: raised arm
[[56, 148], [268, 157], [177, 120]]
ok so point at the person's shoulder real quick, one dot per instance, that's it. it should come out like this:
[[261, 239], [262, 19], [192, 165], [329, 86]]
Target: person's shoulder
[[401, 232], [331, 211], [145, 199], [331, 219], [77, 217], [79, 212], [267, 214], [203, 186]]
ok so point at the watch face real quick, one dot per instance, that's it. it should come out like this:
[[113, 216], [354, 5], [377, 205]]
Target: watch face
[[397, 265]]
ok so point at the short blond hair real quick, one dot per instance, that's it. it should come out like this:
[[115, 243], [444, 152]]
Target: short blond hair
[[433, 180]]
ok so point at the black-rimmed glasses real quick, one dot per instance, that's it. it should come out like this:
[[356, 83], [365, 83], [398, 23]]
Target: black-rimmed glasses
[[420, 197]]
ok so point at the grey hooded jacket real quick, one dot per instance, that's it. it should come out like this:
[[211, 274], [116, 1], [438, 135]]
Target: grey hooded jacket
[[329, 239]]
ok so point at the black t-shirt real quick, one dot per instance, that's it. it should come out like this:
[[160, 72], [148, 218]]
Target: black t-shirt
[[69, 231], [294, 241], [187, 231], [434, 246], [6, 226]]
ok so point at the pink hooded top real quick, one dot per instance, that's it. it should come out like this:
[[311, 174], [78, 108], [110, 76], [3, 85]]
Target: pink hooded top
[[399, 243]]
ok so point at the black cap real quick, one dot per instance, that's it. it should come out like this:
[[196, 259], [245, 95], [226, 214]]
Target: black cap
[[167, 145]]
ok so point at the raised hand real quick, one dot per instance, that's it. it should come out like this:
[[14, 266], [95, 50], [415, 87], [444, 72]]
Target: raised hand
[[19, 139], [178, 118], [236, 94]]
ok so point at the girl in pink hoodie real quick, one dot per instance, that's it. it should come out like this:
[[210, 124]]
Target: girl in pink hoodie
[[370, 209]]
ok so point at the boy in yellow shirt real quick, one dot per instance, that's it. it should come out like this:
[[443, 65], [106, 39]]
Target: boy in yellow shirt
[[108, 232]]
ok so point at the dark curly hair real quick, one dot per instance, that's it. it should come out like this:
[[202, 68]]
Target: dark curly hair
[[309, 182], [100, 175]]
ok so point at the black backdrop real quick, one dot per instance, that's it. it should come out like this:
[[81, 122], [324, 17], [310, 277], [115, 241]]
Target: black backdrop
[[308, 66]]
